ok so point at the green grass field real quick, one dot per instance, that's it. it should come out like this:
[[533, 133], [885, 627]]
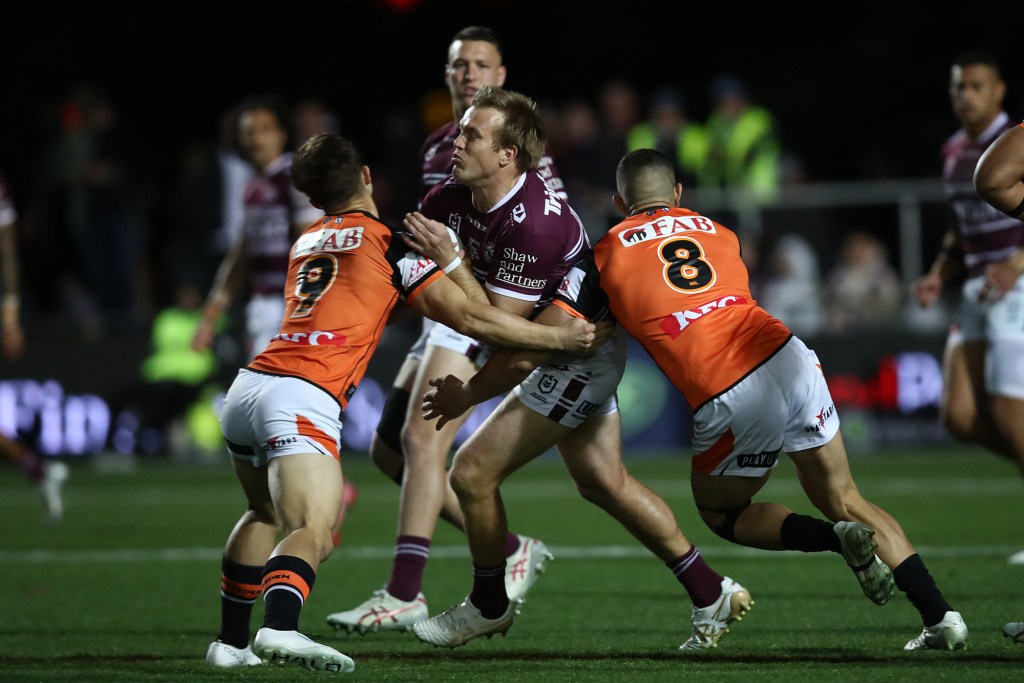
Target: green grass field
[[126, 587]]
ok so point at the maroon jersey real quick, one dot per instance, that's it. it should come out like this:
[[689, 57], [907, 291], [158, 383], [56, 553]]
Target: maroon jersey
[[986, 234], [521, 248], [271, 206], [436, 153]]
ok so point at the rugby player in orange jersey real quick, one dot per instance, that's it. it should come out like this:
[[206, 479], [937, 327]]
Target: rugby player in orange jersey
[[281, 418], [675, 281]]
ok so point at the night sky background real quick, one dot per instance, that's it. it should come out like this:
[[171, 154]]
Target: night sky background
[[859, 90]]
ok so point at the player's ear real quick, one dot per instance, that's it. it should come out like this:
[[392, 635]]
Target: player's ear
[[620, 204], [508, 155], [364, 172], [501, 76], [677, 193]]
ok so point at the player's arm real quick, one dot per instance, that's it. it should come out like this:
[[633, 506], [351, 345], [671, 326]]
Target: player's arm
[[505, 368], [999, 173], [443, 301], [440, 244], [946, 266], [229, 275], [999, 180]]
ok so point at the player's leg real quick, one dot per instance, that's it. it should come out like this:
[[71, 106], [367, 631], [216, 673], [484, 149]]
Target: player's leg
[[509, 438], [306, 489], [964, 408], [593, 456], [424, 492], [386, 443]]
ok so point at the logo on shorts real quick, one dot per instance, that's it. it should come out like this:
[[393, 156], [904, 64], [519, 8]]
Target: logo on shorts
[[586, 408], [765, 459], [547, 384], [279, 443], [348, 392], [821, 418]]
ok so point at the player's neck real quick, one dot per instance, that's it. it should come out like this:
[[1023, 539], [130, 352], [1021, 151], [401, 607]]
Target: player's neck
[[647, 206], [488, 193]]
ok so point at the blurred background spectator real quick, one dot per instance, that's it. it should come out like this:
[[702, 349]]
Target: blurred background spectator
[[863, 290]]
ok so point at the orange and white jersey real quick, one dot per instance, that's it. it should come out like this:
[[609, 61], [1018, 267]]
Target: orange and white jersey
[[676, 282], [345, 274]]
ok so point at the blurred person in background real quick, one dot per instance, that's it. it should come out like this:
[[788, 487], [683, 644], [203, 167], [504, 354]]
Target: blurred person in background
[[274, 214], [863, 290], [669, 130], [792, 292], [91, 193], [999, 180], [983, 378], [743, 146], [48, 476]]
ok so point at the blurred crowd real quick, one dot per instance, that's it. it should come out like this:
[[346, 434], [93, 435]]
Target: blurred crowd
[[120, 243]]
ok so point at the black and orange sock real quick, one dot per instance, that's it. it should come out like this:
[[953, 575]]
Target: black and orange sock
[[239, 589], [287, 582]]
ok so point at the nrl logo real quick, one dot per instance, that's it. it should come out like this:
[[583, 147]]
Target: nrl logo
[[548, 384]]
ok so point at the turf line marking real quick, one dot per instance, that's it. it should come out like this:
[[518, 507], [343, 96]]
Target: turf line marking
[[363, 553]]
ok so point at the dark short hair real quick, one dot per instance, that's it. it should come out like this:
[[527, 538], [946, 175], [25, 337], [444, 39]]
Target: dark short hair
[[481, 33], [327, 168], [978, 56], [636, 170]]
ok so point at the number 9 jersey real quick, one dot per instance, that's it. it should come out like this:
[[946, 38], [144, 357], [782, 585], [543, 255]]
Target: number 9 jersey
[[675, 280], [345, 274]]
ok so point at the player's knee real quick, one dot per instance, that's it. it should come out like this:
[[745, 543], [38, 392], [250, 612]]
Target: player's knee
[[598, 486], [468, 478], [960, 422], [723, 520]]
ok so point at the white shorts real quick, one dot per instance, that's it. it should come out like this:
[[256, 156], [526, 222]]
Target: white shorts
[[436, 334], [1000, 323], [263, 317], [267, 416], [570, 392], [784, 405]]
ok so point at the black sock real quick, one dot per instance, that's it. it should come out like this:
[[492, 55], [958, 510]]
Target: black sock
[[809, 534], [287, 582], [912, 578], [239, 588], [488, 593]]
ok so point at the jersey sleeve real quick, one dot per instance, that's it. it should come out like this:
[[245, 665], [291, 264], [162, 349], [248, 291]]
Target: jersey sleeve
[[580, 293], [411, 271]]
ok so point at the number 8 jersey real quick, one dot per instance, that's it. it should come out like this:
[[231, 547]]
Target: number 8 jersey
[[676, 282], [345, 274]]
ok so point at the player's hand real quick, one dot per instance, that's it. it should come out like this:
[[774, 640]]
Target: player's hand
[[926, 289], [431, 238], [1000, 277], [13, 342], [580, 335], [447, 401]]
